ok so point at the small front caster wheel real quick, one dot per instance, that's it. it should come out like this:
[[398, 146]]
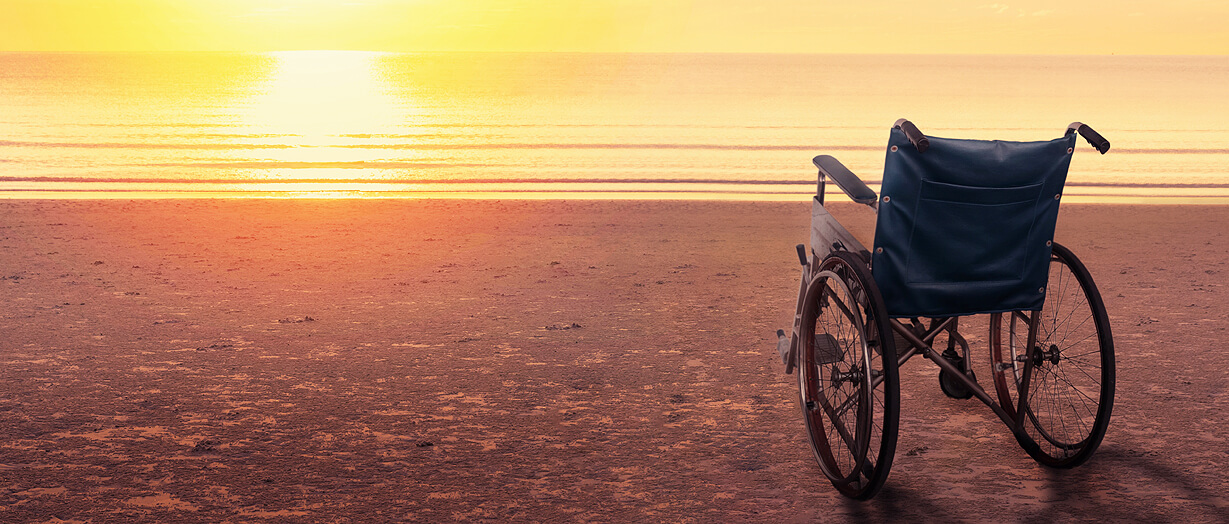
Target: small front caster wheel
[[953, 387]]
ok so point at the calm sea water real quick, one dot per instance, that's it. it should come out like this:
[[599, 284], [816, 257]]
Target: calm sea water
[[582, 125]]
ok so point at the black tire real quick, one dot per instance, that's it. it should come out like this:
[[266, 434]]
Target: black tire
[[1071, 390], [954, 388], [851, 414]]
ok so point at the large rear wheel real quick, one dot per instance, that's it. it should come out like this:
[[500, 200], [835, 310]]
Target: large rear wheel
[[1071, 382], [847, 376]]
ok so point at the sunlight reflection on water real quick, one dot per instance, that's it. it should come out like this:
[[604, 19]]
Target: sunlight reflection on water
[[528, 125]]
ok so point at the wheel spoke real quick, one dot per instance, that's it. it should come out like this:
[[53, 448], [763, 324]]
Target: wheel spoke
[[1067, 318], [1074, 388], [851, 423], [1071, 382], [1095, 380], [835, 420], [1086, 337]]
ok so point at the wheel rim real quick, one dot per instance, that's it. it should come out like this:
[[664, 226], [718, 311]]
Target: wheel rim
[[844, 404], [1068, 403], [1065, 394], [834, 357]]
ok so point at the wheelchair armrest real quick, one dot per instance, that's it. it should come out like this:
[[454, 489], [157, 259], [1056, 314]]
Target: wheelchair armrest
[[845, 179]]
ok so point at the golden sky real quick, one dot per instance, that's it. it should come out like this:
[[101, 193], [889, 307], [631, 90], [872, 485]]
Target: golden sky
[[773, 26]]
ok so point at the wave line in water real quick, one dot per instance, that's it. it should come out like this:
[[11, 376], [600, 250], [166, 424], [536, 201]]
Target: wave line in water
[[116, 180], [501, 191], [541, 145], [142, 145], [448, 125], [421, 146], [356, 164], [406, 180]]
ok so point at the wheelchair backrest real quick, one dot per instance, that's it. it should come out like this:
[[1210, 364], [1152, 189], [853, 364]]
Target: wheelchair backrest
[[965, 227]]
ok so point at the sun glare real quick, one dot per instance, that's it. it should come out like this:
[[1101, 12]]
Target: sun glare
[[320, 102], [318, 95]]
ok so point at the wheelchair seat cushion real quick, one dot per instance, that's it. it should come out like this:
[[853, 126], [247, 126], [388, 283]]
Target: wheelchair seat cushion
[[965, 227]]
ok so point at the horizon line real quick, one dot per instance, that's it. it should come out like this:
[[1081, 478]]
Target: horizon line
[[573, 52]]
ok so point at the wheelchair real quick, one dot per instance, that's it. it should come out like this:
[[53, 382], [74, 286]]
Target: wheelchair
[[963, 227]]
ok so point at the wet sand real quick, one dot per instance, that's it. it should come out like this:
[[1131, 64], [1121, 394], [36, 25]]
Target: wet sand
[[366, 361]]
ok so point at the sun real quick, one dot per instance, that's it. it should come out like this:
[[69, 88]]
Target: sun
[[322, 104], [315, 95]]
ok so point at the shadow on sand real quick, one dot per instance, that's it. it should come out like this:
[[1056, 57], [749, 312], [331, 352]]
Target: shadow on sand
[[1125, 485], [893, 504], [1117, 485]]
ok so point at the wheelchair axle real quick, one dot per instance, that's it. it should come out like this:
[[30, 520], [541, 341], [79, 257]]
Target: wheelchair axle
[[1051, 354], [1041, 355], [853, 375]]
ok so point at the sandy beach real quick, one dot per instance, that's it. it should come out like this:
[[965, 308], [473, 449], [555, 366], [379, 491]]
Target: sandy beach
[[374, 361]]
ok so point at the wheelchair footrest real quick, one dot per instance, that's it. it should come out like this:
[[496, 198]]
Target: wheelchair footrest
[[827, 350], [783, 346]]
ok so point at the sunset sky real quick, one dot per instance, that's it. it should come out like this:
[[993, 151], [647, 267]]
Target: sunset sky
[[775, 26]]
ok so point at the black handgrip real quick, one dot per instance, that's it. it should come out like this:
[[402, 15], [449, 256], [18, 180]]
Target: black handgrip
[[914, 135], [1094, 138]]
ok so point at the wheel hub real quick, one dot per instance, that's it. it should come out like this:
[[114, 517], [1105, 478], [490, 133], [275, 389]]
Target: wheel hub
[[1051, 354], [839, 377]]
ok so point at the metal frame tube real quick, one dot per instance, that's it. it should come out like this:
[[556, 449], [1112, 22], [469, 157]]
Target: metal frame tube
[[1022, 391], [924, 347]]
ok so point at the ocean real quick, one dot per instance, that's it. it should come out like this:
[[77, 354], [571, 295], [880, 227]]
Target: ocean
[[658, 126]]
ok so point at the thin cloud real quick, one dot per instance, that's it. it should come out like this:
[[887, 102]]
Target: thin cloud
[[264, 12]]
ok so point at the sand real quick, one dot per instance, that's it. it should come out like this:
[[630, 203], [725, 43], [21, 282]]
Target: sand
[[356, 360]]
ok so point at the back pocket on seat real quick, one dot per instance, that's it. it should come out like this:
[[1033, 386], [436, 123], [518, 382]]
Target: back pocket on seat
[[971, 234]]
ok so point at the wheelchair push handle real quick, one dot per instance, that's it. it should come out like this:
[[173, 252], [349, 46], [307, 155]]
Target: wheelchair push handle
[[914, 135], [1094, 138]]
